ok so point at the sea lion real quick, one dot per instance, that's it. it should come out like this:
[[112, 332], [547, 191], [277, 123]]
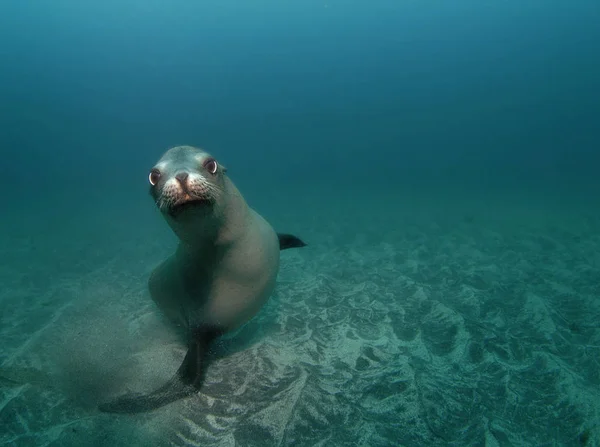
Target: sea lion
[[222, 272]]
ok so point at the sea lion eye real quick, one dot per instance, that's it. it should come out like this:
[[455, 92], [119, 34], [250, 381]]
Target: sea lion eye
[[154, 177], [211, 165]]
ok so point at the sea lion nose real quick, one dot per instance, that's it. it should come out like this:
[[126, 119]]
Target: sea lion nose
[[182, 177]]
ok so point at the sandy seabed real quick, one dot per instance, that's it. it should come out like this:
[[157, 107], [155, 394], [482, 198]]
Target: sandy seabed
[[406, 322]]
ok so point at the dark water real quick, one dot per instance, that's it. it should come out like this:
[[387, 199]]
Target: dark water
[[502, 94], [318, 104]]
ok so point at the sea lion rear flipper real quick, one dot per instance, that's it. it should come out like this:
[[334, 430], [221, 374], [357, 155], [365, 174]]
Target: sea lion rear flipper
[[184, 383], [289, 241]]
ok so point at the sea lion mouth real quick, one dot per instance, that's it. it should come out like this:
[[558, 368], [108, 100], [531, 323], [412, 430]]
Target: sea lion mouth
[[181, 206], [183, 192]]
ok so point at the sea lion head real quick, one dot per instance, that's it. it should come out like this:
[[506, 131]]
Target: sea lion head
[[186, 181]]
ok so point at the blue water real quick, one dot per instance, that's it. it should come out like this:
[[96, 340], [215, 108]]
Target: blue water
[[321, 104], [487, 95]]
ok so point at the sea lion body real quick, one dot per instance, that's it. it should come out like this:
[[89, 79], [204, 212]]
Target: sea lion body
[[223, 285], [222, 272]]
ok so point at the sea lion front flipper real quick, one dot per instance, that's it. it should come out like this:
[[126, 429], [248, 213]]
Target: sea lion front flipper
[[185, 382], [289, 241]]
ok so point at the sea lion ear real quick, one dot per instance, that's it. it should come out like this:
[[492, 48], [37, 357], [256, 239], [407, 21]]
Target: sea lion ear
[[223, 168]]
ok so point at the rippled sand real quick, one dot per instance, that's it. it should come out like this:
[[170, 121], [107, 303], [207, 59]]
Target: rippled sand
[[405, 322]]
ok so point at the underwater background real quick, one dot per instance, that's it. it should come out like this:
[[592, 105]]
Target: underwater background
[[441, 159]]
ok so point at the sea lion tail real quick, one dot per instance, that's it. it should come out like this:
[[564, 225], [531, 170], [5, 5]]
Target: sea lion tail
[[289, 241], [184, 383]]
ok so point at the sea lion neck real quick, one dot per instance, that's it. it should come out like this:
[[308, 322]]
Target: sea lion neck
[[197, 229], [217, 225]]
